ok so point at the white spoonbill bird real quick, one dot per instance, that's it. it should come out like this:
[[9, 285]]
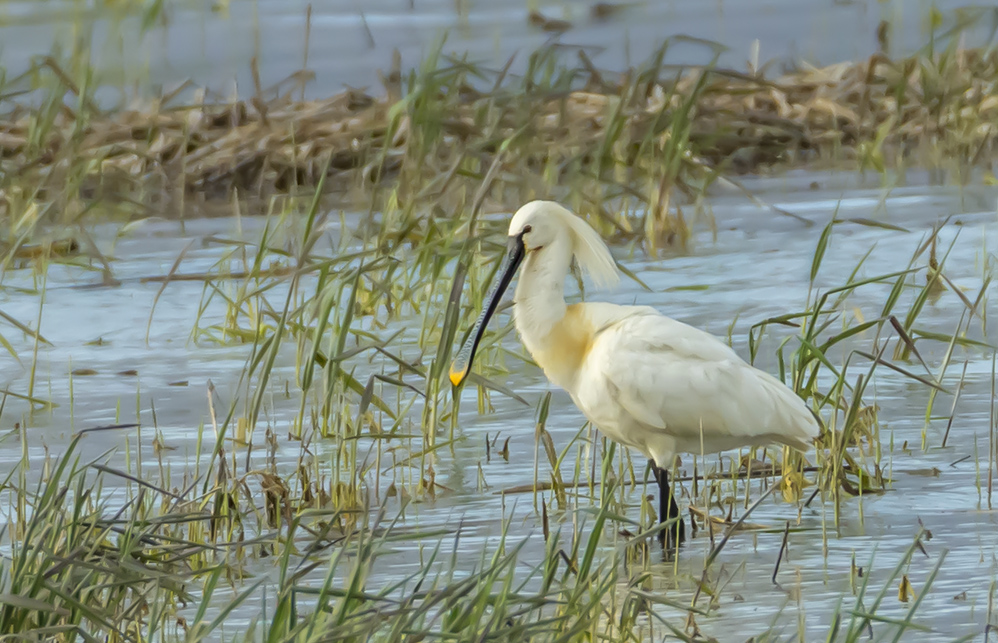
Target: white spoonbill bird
[[644, 380]]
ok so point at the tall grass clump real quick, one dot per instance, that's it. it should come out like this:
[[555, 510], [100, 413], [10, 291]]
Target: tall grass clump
[[647, 141]]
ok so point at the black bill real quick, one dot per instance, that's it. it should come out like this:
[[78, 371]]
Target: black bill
[[461, 365]]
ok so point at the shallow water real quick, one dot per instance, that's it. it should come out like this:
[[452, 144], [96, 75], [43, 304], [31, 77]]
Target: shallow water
[[756, 266], [212, 44]]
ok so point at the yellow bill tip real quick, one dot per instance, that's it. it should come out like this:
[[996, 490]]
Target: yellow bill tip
[[457, 376]]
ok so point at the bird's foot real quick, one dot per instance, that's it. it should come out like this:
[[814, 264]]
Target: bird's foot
[[673, 536]]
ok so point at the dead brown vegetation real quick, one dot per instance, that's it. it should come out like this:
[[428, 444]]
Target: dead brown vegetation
[[645, 133]]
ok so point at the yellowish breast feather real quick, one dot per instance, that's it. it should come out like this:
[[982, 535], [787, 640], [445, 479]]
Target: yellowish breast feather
[[565, 349]]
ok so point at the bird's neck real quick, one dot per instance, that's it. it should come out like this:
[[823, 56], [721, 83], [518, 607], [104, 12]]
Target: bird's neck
[[540, 310], [540, 292]]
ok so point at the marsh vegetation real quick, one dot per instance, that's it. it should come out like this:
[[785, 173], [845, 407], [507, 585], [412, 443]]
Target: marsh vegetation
[[241, 427]]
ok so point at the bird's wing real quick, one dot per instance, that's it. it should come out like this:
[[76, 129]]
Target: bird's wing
[[678, 379]]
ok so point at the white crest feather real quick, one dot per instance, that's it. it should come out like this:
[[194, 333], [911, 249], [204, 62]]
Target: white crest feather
[[590, 251]]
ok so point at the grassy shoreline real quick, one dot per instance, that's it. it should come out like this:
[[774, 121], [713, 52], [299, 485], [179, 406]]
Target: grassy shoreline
[[654, 137]]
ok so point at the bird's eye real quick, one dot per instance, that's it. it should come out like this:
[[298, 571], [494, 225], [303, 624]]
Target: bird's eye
[[526, 229]]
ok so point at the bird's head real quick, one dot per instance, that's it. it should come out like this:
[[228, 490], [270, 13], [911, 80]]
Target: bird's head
[[538, 224], [534, 227]]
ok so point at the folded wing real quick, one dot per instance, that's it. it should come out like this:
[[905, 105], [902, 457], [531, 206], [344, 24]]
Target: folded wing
[[677, 379]]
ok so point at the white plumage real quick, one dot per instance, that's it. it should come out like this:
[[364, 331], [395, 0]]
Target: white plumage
[[663, 387], [644, 380]]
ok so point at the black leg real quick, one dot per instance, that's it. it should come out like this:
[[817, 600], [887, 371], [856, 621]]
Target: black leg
[[674, 535]]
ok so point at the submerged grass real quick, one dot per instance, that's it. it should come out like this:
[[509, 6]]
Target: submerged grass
[[349, 321], [374, 421], [85, 565]]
